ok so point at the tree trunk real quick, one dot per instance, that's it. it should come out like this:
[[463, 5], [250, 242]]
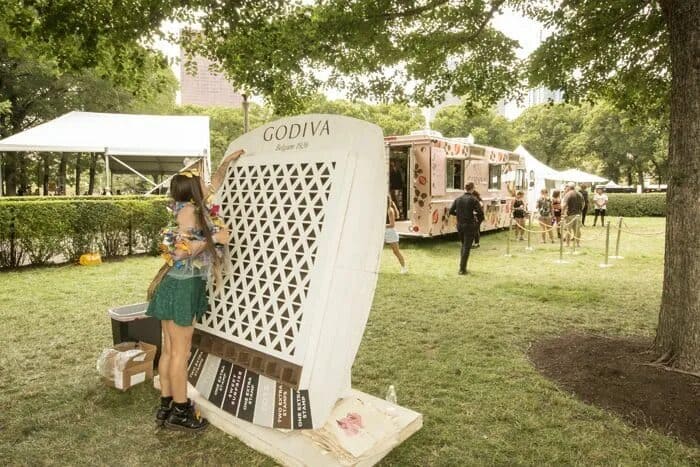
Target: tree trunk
[[93, 167], [45, 181], [10, 173], [61, 185], [77, 174], [678, 334], [640, 177], [22, 176]]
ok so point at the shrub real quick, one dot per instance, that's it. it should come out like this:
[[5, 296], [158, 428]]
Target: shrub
[[634, 205], [39, 230]]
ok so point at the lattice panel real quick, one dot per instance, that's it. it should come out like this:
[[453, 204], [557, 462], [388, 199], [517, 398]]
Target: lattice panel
[[276, 214]]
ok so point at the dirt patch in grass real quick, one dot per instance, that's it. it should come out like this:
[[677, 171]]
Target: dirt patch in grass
[[609, 372]]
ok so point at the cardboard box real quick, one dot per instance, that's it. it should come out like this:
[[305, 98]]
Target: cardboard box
[[129, 364]]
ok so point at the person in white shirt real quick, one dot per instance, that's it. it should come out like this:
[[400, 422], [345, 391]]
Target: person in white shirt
[[600, 203]]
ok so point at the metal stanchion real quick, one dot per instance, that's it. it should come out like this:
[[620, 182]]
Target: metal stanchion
[[607, 248], [510, 232], [561, 243], [617, 241], [529, 233]]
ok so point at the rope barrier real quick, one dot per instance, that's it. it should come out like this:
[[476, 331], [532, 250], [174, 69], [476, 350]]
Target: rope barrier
[[564, 228], [641, 234], [547, 228]]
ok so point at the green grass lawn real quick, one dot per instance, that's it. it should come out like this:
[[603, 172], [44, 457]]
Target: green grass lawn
[[454, 347]]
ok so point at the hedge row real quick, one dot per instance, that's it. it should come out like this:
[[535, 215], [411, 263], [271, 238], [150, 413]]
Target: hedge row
[[34, 232], [79, 198], [634, 205]]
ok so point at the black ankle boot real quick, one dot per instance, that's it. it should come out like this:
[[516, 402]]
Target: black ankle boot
[[184, 418], [164, 410]]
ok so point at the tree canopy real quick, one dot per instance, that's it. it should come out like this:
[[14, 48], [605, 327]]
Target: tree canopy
[[486, 126], [615, 50], [389, 50]]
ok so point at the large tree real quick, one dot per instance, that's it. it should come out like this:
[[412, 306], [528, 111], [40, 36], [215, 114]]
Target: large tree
[[644, 56]]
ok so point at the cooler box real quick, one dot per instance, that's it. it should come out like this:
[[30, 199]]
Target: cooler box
[[130, 324]]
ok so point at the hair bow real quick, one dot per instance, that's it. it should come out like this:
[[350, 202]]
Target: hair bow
[[190, 173]]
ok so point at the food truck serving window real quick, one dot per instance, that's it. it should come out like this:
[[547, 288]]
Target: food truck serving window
[[494, 177], [455, 169]]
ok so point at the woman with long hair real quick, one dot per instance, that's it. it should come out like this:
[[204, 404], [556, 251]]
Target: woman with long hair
[[178, 293]]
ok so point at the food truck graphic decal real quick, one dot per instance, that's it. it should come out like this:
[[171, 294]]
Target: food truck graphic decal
[[427, 172]]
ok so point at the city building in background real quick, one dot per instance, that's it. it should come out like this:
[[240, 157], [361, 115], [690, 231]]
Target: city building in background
[[206, 87], [542, 95]]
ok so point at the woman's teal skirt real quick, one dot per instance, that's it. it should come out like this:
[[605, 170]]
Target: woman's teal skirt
[[179, 300]]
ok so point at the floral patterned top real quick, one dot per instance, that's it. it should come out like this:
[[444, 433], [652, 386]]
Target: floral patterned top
[[174, 240]]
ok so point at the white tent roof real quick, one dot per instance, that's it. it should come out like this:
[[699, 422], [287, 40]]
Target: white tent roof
[[575, 175], [148, 143], [541, 169]]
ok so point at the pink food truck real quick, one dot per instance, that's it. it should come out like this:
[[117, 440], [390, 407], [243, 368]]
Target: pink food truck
[[428, 171]]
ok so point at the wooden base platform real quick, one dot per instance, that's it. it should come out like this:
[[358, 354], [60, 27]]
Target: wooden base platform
[[361, 430]]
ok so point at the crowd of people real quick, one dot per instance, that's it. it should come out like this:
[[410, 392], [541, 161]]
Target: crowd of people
[[564, 214]]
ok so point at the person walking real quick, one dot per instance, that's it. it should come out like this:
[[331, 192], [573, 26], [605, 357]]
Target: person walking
[[469, 213], [391, 237], [572, 205], [544, 211], [583, 191], [600, 204]]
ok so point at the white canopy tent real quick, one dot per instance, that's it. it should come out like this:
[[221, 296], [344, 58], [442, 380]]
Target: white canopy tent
[[139, 144], [579, 176], [540, 175]]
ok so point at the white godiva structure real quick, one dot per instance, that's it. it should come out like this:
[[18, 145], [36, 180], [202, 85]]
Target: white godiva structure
[[306, 209]]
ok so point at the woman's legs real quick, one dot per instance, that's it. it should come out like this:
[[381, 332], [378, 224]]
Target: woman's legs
[[181, 341], [183, 416], [520, 232], [164, 362], [602, 217], [397, 253], [544, 226]]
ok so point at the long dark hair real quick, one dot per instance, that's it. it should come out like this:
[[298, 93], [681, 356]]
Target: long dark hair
[[184, 189]]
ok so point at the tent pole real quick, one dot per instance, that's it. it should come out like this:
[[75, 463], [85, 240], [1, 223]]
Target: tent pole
[[134, 170], [164, 182], [108, 174]]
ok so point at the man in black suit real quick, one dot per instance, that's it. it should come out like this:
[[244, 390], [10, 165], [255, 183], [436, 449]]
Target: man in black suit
[[469, 213]]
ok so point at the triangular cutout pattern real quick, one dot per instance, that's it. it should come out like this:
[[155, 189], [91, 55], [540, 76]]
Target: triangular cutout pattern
[[275, 213]]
